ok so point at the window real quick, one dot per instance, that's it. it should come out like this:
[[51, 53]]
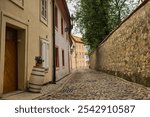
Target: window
[[45, 53], [76, 47], [44, 9], [83, 55], [57, 56], [86, 57], [67, 37], [56, 17], [63, 58], [62, 26], [77, 54]]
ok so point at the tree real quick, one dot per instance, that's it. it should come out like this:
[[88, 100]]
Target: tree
[[96, 18], [120, 9], [91, 18]]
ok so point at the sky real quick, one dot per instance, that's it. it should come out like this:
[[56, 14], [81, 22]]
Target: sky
[[72, 11], [71, 8]]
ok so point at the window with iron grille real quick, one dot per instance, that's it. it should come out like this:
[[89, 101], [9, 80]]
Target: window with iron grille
[[44, 9]]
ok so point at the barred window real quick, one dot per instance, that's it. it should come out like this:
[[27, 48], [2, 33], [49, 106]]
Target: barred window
[[44, 9]]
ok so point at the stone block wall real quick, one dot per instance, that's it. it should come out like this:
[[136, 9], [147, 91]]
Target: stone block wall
[[126, 51]]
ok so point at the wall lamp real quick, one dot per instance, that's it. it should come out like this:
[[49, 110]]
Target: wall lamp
[[72, 18]]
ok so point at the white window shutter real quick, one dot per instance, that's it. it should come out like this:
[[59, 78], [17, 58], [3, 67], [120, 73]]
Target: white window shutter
[[45, 53], [47, 56]]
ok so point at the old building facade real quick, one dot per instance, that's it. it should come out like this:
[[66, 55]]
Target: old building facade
[[79, 59], [62, 39], [25, 32]]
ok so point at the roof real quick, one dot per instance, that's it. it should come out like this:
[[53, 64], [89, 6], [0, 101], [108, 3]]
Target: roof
[[77, 39], [62, 4]]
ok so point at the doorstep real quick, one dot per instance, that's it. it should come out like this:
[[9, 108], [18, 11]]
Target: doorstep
[[20, 95]]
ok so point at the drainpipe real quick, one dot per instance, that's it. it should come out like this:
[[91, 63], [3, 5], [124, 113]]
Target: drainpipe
[[53, 25]]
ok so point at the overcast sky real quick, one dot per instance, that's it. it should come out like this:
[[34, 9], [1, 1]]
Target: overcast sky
[[72, 10]]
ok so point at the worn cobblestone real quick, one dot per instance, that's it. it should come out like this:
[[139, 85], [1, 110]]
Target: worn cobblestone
[[93, 85]]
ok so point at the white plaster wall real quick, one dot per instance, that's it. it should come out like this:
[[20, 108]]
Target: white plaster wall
[[62, 43]]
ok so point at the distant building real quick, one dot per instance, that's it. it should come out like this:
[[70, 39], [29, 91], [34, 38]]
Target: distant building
[[80, 58]]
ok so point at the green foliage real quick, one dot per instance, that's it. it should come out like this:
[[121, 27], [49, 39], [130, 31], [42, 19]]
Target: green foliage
[[120, 9], [96, 18], [91, 17]]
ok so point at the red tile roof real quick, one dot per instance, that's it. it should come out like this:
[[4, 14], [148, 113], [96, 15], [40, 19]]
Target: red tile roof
[[77, 39]]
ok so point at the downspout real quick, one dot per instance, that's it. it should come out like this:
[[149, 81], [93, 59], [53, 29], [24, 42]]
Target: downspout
[[53, 25]]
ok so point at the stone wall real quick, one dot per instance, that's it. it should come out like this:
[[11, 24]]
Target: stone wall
[[126, 51]]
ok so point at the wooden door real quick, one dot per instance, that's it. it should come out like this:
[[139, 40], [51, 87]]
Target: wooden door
[[10, 70]]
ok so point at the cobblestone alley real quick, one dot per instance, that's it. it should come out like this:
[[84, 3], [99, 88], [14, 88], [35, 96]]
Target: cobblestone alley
[[94, 85]]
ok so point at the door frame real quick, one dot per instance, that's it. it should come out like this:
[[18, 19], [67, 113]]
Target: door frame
[[22, 28]]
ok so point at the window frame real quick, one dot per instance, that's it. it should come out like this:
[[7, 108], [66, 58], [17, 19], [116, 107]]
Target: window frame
[[44, 17], [57, 57], [44, 44], [62, 26], [63, 57], [56, 17]]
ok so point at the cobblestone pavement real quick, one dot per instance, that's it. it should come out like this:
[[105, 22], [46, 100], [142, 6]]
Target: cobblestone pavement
[[93, 85]]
